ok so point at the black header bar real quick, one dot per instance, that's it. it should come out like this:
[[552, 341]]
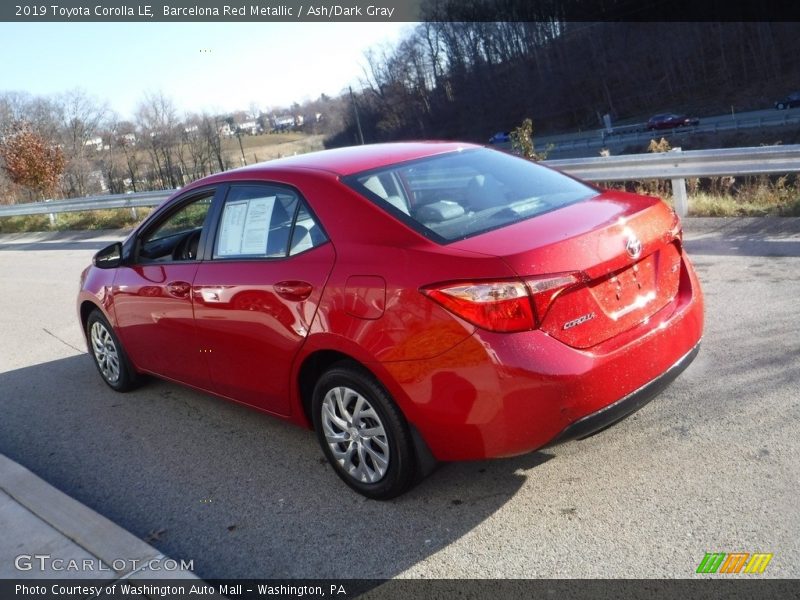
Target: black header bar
[[396, 10]]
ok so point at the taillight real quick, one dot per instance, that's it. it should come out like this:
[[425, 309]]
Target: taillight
[[545, 289], [492, 305], [506, 305]]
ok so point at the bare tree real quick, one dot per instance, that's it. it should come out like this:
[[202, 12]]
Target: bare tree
[[81, 118], [118, 158], [210, 130], [159, 132], [195, 151]]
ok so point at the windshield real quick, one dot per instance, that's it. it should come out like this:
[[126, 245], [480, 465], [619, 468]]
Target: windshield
[[454, 196]]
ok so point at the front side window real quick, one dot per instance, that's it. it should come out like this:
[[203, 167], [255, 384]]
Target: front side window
[[260, 221], [176, 237], [461, 194]]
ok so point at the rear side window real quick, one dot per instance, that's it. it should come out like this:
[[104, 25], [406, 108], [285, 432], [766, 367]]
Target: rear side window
[[265, 222], [461, 194]]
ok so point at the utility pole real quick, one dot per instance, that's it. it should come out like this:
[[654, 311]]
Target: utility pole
[[358, 121], [241, 148]]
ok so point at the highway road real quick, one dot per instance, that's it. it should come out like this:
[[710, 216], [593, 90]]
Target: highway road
[[712, 465], [590, 142]]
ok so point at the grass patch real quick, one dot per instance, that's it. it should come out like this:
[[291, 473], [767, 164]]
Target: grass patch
[[756, 196], [261, 148], [753, 196], [706, 205], [231, 144], [119, 218]]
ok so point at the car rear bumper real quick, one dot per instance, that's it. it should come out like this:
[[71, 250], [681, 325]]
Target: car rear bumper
[[496, 395], [613, 413]]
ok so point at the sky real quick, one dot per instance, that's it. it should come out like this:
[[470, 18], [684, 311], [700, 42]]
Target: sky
[[219, 67]]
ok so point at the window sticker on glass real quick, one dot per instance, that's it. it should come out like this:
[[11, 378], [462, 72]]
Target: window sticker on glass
[[256, 225], [245, 226], [230, 233]]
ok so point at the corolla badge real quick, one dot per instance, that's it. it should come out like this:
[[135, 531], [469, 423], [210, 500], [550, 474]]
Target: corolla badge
[[633, 247], [579, 321]]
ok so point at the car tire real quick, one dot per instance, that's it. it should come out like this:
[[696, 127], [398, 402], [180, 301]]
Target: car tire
[[780, 106], [108, 354], [362, 432]]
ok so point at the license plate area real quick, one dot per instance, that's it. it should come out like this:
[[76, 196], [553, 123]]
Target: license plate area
[[628, 289], [615, 302]]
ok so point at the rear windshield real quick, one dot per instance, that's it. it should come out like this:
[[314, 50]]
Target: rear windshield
[[457, 195]]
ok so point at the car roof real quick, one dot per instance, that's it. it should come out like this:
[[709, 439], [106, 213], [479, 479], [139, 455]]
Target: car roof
[[354, 159]]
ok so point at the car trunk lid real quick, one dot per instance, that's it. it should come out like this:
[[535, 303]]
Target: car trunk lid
[[624, 249]]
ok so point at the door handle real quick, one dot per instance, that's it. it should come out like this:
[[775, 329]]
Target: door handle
[[179, 289], [209, 295], [293, 290]]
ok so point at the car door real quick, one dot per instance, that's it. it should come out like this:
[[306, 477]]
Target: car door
[[255, 299], [152, 292]]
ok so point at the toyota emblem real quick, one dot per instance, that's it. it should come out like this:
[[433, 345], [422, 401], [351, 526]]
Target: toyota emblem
[[634, 247]]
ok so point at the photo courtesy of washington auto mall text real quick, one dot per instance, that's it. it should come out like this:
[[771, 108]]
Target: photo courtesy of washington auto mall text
[[86, 590]]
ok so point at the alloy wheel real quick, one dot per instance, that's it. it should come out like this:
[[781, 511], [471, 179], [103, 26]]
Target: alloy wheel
[[355, 435], [105, 352]]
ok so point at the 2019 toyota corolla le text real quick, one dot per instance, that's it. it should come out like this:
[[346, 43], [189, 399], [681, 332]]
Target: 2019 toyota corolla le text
[[412, 303]]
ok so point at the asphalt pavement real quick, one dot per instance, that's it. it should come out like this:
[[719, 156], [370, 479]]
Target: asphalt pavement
[[48, 535], [711, 465]]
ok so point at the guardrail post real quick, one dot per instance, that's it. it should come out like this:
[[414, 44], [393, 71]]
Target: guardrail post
[[134, 214], [52, 219], [679, 196]]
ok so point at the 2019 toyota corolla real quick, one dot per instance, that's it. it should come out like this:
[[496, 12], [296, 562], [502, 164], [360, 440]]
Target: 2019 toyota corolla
[[413, 303]]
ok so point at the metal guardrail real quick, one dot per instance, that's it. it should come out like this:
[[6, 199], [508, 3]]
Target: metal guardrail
[[677, 165], [138, 199], [674, 165], [693, 163]]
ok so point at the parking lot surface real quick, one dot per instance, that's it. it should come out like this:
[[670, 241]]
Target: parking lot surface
[[711, 465]]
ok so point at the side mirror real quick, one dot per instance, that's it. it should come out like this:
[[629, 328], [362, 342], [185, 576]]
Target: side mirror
[[109, 257]]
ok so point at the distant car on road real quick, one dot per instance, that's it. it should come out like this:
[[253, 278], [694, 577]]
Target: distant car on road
[[790, 101], [671, 121], [501, 137]]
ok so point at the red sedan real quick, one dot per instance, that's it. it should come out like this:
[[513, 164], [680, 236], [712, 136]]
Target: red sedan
[[413, 303], [671, 121]]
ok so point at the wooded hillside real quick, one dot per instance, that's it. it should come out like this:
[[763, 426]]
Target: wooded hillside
[[467, 80]]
